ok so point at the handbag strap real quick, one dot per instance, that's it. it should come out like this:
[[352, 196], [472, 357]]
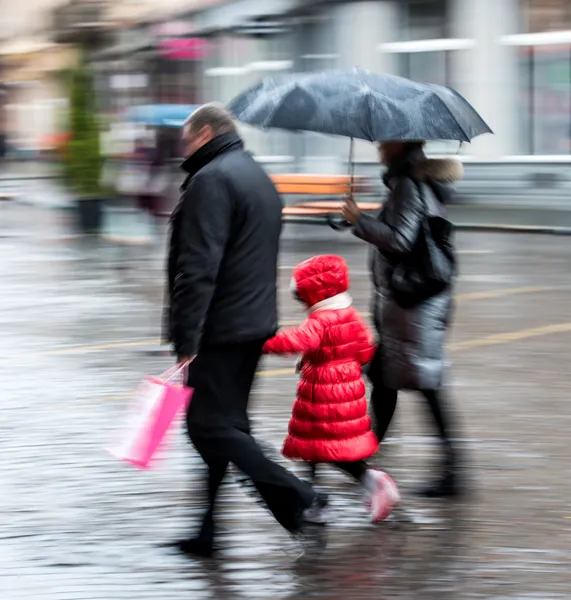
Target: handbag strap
[[421, 196], [424, 218]]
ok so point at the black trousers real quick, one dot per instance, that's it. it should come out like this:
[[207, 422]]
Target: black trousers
[[218, 426], [384, 403]]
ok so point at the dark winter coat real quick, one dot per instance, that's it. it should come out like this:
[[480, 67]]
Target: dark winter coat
[[411, 340], [222, 263]]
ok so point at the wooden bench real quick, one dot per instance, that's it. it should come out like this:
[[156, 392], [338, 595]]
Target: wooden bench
[[325, 187], [320, 196], [319, 185], [8, 196]]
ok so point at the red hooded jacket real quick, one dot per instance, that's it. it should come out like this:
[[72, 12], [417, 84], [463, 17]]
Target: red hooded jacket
[[330, 420]]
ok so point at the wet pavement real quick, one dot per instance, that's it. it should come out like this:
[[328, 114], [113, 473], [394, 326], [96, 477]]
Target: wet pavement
[[80, 322]]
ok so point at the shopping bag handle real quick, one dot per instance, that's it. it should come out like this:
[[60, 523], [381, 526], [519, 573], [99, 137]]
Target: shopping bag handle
[[173, 372]]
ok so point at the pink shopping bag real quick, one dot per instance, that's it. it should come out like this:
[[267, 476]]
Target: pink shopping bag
[[157, 402]]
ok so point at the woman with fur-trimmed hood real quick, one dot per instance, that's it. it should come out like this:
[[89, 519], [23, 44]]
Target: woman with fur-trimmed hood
[[411, 339]]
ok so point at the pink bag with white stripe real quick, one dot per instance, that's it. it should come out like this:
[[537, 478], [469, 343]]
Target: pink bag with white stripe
[[157, 402]]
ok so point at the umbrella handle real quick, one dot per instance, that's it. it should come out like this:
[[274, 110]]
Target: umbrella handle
[[341, 224], [351, 167], [337, 224]]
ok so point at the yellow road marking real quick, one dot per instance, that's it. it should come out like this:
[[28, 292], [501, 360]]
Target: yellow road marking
[[471, 297], [275, 372], [460, 298], [115, 397], [489, 340], [95, 347], [510, 336]]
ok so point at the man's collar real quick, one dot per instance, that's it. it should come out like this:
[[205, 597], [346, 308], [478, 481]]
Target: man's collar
[[212, 149]]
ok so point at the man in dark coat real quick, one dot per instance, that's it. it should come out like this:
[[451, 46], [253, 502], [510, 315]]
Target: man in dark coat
[[222, 273]]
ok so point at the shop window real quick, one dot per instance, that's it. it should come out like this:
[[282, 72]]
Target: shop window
[[431, 66], [238, 62], [174, 81], [545, 98], [428, 67], [424, 19], [546, 15]]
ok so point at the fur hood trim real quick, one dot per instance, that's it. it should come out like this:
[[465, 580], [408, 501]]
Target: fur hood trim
[[444, 170]]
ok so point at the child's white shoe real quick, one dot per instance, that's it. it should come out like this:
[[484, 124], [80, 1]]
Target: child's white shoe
[[382, 495]]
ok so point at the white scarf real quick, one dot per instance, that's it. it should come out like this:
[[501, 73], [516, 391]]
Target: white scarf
[[338, 302]]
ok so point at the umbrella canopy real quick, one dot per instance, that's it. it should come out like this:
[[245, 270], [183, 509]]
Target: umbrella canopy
[[161, 115], [359, 104]]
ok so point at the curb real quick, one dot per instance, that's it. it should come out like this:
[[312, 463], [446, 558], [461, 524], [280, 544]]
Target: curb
[[293, 220], [6, 178], [542, 229], [489, 227]]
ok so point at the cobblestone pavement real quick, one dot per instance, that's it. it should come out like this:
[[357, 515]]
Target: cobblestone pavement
[[79, 326]]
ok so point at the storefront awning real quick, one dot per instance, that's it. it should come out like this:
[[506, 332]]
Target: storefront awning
[[121, 50], [22, 47], [34, 65]]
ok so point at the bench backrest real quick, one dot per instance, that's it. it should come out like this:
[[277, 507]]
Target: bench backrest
[[319, 185]]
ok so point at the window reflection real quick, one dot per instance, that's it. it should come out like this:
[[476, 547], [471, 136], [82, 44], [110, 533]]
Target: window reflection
[[545, 98], [547, 15], [424, 19], [430, 67]]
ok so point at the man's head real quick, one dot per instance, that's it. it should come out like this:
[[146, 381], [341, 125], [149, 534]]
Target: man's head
[[205, 124]]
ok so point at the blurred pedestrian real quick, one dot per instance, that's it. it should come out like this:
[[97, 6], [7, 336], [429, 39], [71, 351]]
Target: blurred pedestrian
[[222, 272], [411, 337], [330, 423], [153, 198], [149, 161]]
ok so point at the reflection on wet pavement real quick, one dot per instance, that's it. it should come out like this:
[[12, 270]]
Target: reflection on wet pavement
[[78, 525]]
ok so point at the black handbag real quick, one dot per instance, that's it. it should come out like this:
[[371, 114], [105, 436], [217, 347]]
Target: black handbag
[[429, 268]]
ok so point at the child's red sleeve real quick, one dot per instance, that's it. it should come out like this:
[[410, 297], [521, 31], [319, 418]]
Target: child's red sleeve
[[368, 346], [367, 354], [296, 340]]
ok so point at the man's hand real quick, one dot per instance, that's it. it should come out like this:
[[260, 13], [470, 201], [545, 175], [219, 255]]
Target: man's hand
[[186, 360], [350, 211]]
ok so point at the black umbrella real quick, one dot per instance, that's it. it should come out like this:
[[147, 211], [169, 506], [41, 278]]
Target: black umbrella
[[356, 103]]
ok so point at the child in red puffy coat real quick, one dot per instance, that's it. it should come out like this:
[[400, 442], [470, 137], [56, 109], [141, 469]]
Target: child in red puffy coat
[[330, 422]]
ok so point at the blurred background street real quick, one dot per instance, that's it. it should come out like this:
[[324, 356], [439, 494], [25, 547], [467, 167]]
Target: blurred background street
[[79, 330], [93, 94], [511, 59]]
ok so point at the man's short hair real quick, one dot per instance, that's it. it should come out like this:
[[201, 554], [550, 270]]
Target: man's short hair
[[212, 114]]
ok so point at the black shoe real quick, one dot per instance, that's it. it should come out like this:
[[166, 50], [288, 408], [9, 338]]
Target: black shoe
[[448, 486], [197, 547], [317, 513]]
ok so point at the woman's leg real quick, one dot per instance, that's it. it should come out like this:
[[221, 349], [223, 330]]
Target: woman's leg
[[440, 413], [383, 399], [384, 403], [447, 483]]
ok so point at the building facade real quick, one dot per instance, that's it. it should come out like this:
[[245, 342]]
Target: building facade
[[510, 58], [30, 62]]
